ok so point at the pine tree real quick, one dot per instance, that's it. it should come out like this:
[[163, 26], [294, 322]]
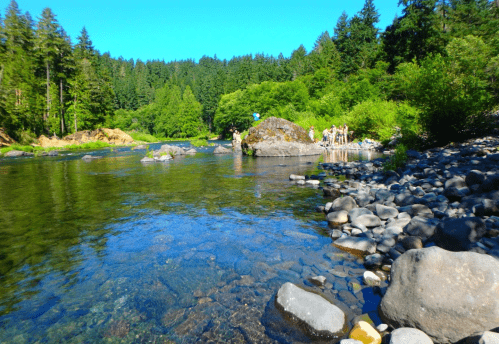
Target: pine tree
[[47, 44]]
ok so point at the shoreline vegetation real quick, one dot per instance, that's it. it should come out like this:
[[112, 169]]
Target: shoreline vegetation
[[432, 75]]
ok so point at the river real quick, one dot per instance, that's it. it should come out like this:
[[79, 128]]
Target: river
[[193, 249]]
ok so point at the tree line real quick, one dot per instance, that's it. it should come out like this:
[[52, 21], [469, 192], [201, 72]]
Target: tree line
[[436, 66]]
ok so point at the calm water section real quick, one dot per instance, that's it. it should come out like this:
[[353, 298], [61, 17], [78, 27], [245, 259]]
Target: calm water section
[[115, 251]]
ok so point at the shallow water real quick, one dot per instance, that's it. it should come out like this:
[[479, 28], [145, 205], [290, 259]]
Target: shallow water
[[115, 251]]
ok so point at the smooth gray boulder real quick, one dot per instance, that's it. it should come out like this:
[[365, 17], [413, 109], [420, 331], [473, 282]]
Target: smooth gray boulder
[[147, 160], [356, 245], [384, 195], [346, 203], [337, 218], [408, 335], [356, 212], [367, 220], [447, 295], [296, 177], [363, 198], [350, 341], [221, 150], [458, 234], [318, 316], [421, 227], [385, 213], [90, 157]]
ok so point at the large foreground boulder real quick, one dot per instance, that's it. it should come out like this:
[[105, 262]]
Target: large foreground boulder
[[315, 314], [448, 295], [279, 137]]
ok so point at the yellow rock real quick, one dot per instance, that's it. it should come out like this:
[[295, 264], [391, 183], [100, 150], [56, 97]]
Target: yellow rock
[[365, 333]]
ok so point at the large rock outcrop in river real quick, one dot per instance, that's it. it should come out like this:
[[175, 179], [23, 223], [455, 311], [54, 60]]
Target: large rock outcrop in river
[[279, 137], [111, 136]]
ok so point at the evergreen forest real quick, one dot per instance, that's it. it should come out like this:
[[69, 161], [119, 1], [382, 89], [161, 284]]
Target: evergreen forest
[[433, 74]]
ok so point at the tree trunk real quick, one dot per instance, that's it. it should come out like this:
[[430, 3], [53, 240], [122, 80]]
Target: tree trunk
[[76, 124], [48, 92], [61, 101]]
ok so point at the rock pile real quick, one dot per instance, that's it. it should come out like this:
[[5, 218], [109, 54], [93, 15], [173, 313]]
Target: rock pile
[[5, 139], [111, 136], [435, 225]]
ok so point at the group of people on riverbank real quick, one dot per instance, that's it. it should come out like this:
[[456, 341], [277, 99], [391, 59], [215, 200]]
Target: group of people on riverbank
[[334, 135]]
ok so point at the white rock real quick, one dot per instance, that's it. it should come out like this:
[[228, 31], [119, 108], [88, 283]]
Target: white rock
[[321, 316], [371, 279], [296, 177], [407, 335], [489, 338], [312, 182]]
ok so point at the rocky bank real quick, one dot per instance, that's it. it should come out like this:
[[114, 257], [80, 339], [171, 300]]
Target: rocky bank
[[434, 225], [111, 136]]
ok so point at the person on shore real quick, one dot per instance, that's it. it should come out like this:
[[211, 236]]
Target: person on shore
[[345, 133], [311, 133], [325, 136], [333, 135], [340, 135]]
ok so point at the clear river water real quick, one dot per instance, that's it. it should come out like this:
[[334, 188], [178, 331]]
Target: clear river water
[[190, 250]]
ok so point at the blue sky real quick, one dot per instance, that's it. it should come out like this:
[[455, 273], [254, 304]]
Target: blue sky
[[177, 30]]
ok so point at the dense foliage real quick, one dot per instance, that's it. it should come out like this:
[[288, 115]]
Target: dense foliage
[[433, 71]]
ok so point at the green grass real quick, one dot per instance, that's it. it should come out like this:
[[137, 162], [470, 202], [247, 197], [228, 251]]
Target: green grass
[[145, 137], [199, 142], [88, 145]]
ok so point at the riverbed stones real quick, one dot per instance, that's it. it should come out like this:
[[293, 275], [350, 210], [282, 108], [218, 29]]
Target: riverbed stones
[[337, 218], [407, 335], [373, 261], [356, 245], [385, 213], [356, 212], [459, 234], [319, 317], [147, 160], [346, 203], [447, 295], [296, 177], [421, 226], [367, 221], [456, 182], [169, 149]]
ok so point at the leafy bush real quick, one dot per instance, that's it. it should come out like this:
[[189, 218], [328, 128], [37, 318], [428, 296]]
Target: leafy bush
[[140, 136], [397, 160], [199, 142], [378, 119]]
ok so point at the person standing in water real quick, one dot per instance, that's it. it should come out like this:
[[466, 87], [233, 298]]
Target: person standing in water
[[311, 133], [345, 132]]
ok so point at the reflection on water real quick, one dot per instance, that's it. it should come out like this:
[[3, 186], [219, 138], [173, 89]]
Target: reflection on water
[[343, 155], [112, 250]]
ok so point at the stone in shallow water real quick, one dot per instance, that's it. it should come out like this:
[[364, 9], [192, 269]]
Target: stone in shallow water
[[320, 317], [371, 279], [337, 217], [356, 245], [489, 338]]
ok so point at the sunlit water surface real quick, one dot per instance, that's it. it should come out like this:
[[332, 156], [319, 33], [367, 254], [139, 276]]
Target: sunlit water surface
[[191, 250]]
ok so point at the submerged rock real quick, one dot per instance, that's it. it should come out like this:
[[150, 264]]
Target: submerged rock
[[221, 150], [319, 317]]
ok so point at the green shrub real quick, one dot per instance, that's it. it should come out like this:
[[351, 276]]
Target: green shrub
[[396, 160], [378, 119], [199, 142], [140, 136]]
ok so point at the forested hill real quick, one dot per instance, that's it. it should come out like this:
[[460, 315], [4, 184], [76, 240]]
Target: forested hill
[[433, 71]]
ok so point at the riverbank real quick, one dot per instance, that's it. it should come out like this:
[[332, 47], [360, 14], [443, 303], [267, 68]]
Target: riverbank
[[434, 225]]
